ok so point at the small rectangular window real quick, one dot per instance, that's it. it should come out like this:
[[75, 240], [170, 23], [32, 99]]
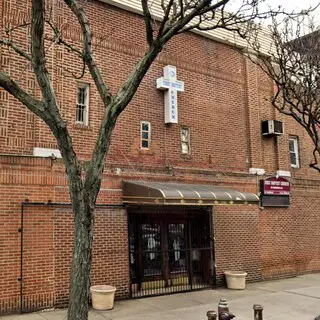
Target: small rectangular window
[[185, 140], [294, 152], [82, 108], [145, 134]]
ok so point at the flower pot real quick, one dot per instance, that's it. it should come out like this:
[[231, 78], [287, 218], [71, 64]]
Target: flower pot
[[236, 279], [102, 297]]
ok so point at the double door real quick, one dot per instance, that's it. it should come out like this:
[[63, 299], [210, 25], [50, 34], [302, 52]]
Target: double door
[[169, 253]]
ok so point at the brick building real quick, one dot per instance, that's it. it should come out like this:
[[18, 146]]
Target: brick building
[[151, 236]]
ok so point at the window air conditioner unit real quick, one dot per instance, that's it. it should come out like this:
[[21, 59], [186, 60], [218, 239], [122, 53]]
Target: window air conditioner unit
[[272, 128]]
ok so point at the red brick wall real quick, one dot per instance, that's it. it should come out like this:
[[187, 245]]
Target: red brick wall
[[110, 251], [47, 237], [63, 244], [215, 70], [237, 243], [20, 179], [38, 258], [266, 243], [47, 250], [225, 99], [290, 238]]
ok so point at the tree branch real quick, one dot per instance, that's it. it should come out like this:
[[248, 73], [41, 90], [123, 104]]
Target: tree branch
[[113, 110], [314, 164], [83, 71], [180, 22], [52, 115], [13, 28], [294, 65], [38, 59], [87, 51], [165, 18], [11, 45], [148, 21], [34, 105], [59, 39]]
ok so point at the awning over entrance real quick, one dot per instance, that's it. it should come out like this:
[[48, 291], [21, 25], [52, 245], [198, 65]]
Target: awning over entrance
[[137, 192]]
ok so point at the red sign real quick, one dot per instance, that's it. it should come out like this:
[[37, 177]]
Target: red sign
[[276, 186]]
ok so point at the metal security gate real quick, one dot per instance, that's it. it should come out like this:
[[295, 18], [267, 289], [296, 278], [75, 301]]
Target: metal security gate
[[169, 252]]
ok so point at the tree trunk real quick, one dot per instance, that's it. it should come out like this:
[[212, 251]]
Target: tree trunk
[[81, 260]]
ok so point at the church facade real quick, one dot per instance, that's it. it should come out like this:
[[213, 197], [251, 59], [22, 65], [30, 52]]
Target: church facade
[[202, 176]]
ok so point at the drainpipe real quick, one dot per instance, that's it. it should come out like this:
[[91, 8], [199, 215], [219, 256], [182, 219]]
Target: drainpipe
[[39, 204], [21, 256]]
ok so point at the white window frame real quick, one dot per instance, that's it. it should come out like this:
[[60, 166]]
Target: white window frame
[[295, 151], [149, 134], [86, 86], [188, 142]]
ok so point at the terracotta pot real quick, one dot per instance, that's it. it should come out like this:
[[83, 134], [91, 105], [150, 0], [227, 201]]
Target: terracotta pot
[[102, 297], [236, 279]]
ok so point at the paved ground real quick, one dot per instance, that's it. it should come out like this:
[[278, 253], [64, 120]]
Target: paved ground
[[293, 299]]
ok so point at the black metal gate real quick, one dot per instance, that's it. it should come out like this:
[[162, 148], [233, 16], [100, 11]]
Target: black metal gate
[[169, 252]]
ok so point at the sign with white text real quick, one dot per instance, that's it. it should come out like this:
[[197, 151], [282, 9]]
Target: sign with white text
[[171, 86], [276, 186]]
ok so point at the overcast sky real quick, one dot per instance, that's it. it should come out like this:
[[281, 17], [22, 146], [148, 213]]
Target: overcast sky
[[286, 5], [292, 4], [298, 5], [289, 5]]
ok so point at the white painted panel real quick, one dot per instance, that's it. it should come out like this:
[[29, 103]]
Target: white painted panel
[[283, 173], [46, 152]]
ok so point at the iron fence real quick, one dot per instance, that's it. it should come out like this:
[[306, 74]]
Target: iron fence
[[169, 255]]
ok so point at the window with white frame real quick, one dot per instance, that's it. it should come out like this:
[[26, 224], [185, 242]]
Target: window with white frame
[[145, 134], [294, 152], [82, 108], [185, 140]]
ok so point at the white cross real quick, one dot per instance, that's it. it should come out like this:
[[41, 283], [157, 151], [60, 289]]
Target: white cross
[[172, 86]]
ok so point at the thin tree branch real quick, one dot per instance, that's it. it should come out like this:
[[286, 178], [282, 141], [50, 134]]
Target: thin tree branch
[[83, 71], [294, 65], [11, 45], [10, 30], [165, 18], [34, 105], [148, 21], [314, 164], [87, 51], [59, 39], [170, 30]]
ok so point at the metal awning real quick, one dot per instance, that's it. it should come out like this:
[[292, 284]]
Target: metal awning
[[138, 192]]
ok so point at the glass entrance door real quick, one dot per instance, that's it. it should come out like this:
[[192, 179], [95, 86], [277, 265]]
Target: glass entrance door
[[177, 248], [151, 249]]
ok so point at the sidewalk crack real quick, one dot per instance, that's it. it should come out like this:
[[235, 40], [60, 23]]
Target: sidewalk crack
[[303, 295]]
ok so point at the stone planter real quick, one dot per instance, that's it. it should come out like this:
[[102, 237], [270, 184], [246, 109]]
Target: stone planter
[[102, 297], [236, 279]]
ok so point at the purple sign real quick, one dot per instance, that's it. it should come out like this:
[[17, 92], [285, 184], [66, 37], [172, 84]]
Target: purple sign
[[276, 186]]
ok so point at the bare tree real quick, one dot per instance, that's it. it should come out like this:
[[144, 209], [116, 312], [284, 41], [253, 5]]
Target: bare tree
[[293, 63], [84, 182]]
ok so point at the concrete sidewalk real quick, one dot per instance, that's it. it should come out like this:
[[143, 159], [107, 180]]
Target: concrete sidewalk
[[294, 299]]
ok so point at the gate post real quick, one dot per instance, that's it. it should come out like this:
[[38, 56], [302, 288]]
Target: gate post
[[257, 312], [212, 249], [212, 315]]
